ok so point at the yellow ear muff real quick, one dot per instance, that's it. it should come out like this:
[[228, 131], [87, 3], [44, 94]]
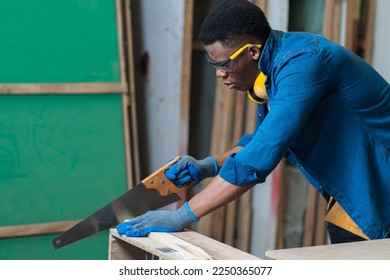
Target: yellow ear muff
[[258, 93]]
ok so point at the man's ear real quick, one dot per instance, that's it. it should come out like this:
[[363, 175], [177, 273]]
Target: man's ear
[[255, 52]]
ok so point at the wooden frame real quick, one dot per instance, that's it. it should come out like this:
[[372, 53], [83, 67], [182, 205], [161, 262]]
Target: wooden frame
[[34, 229], [65, 88]]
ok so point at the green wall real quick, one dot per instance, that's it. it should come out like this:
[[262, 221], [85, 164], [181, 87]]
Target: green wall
[[62, 156], [58, 41]]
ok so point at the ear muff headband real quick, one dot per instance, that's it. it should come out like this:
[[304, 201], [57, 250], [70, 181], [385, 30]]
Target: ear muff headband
[[258, 93]]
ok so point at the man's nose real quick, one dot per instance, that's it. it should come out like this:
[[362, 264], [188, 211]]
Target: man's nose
[[220, 73]]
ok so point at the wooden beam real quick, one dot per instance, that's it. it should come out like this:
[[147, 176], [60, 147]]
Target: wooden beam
[[332, 20], [369, 30], [281, 197], [66, 88], [231, 227], [125, 98], [217, 250], [119, 24], [34, 229], [172, 246], [327, 26], [262, 4], [321, 226], [180, 245], [131, 108], [244, 222], [352, 23], [309, 226], [186, 77]]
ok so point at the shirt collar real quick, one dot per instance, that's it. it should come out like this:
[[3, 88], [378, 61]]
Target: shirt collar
[[269, 52]]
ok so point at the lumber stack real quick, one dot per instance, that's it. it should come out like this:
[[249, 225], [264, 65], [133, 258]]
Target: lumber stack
[[351, 23]]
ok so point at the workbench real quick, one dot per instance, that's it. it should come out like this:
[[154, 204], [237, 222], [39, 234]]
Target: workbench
[[362, 250], [186, 245]]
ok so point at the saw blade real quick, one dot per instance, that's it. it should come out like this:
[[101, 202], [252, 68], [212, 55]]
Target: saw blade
[[134, 202], [152, 193]]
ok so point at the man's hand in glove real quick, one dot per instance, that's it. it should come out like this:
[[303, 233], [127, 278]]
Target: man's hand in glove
[[188, 168], [158, 221]]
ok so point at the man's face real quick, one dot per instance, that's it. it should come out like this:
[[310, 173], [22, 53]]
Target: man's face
[[238, 72]]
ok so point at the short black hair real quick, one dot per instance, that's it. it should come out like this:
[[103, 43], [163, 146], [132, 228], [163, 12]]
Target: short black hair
[[233, 22]]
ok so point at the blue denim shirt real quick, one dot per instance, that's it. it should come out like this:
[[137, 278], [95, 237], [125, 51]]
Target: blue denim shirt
[[330, 116]]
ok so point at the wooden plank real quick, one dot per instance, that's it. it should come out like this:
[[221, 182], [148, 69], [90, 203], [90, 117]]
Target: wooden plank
[[327, 26], [321, 224], [204, 225], [180, 245], [309, 226], [239, 117], [280, 227], [67, 88], [223, 119], [170, 246], [369, 30], [362, 250], [336, 22], [118, 250], [217, 224], [217, 250], [139, 248], [34, 229], [332, 20], [186, 77], [315, 226], [244, 222], [262, 4], [220, 142], [245, 201], [119, 24], [353, 14], [231, 226], [251, 117], [125, 100], [231, 223], [134, 160]]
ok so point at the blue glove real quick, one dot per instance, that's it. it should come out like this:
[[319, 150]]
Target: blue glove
[[188, 168], [158, 221]]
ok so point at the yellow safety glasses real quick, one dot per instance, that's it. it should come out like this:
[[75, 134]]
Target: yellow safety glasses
[[228, 65]]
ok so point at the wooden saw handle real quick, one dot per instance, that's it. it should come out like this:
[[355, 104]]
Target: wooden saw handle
[[158, 181]]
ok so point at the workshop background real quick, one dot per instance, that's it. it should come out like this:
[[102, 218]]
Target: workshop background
[[97, 94]]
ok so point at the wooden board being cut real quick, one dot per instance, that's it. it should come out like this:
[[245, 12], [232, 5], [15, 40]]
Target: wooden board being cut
[[363, 250], [186, 245]]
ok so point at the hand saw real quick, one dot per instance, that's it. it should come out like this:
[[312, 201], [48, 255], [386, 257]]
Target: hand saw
[[152, 193]]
